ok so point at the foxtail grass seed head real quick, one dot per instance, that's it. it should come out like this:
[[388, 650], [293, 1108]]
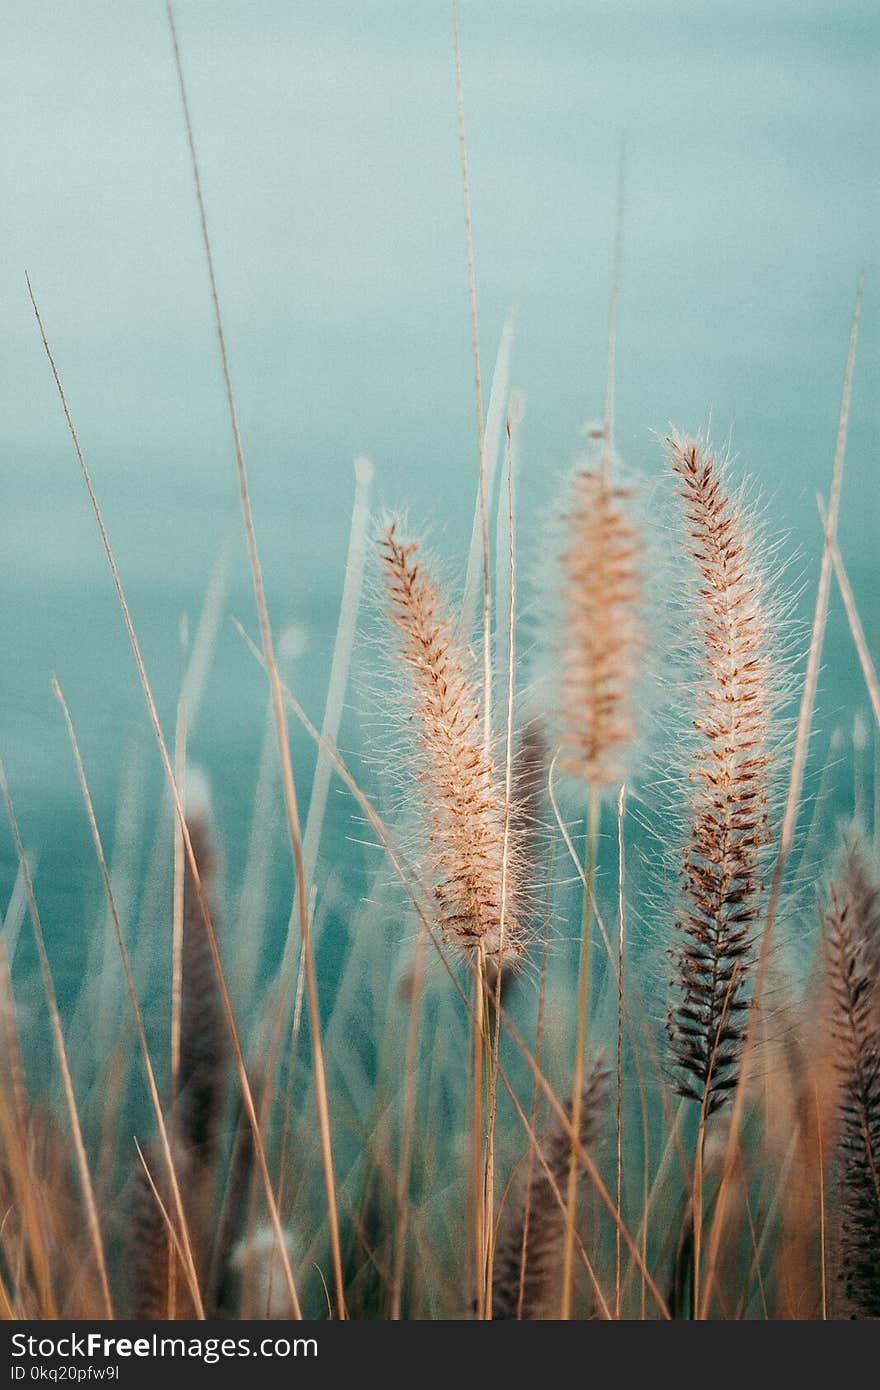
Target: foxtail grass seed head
[[529, 1250], [149, 1249], [204, 1041], [862, 885], [476, 884], [730, 770], [601, 629], [851, 925]]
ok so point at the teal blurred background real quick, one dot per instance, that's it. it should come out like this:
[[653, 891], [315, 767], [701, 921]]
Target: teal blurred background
[[327, 135]]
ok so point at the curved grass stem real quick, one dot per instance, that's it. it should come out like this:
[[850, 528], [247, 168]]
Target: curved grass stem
[[583, 1006]]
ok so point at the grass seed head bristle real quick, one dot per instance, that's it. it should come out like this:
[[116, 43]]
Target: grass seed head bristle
[[530, 776], [730, 772], [862, 888], [529, 1249], [204, 1040], [149, 1248], [852, 927], [476, 885], [601, 631], [257, 1263], [203, 1080]]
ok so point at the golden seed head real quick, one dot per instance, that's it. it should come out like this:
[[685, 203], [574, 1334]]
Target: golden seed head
[[476, 884]]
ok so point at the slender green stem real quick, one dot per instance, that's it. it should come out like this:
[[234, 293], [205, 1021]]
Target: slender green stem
[[488, 1189], [580, 1050], [699, 1160], [477, 1111], [619, 1116]]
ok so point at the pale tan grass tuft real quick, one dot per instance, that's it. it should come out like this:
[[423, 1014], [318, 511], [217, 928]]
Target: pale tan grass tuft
[[601, 630], [730, 772], [477, 899]]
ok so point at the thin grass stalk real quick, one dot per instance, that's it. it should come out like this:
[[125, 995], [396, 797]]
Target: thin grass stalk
[[110, 1108], [408, 881], [697, 1197], [477, 1202], [548, 1220], [495, 418], [177, 897], [505, 868], [192, 689], [767, 1229], [621, 798], [536, 1149], [99, 1010], [869, 671], [14, 1139], [253, 895], [606, 941], [13, 1047], [82, 1162], [16, 911], [177, 911], [796, 778], [188, 1258], [292, 1056], [6, 1310], [338, 680], [17, 1133], [401, 1202], [674, 1140], [290, 799], [533, 1121], [754, 1270], [178, 804], [506, 507], [485, 1219], [823, 1269], [557, 1192], [598, 671], [267, 1095], [583, 1005], [341, 659], [173, 1236], [278, 1011], [478, 386]]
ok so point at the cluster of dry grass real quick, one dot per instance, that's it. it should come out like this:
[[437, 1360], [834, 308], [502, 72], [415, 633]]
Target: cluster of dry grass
[[464, 1121]]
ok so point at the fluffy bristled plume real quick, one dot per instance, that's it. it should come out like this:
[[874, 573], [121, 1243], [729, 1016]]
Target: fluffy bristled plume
[[204, 1041], [148, 1247], [852, 922], [601, 632], [529, 1250], [198, 1119], [476, 884], [729, 775]]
